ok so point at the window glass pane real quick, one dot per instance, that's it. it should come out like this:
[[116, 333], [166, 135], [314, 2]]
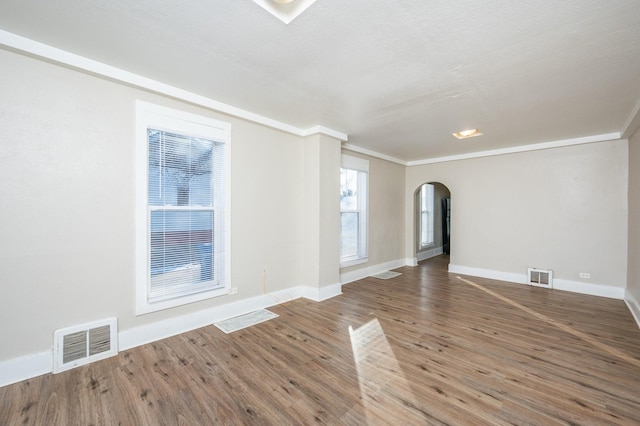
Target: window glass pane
[[427, 215], [353, 210], [423, 198], [181, 196], [180, 170], [348, 189], [181, 249], [349, 222], [424, 226], [181, 241]]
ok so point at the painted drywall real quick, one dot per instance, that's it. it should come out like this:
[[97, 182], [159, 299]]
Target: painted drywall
[[633, 271], [321, 228], [67, 176], [563, 209], [329, 189], [386, 212], [310, 228]]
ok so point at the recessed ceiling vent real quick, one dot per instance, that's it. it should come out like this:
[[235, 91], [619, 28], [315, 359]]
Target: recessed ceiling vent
[[82, 344], [540, 277]]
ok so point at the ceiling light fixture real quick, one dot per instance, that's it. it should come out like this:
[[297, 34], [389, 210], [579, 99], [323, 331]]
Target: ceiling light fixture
[[285, 10], [465, 134]]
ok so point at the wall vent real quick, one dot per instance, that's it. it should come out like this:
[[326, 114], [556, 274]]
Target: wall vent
[[85, 343], [540, 277]]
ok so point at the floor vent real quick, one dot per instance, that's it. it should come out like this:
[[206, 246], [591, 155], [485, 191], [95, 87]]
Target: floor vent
[[82, 344], [540, 277]]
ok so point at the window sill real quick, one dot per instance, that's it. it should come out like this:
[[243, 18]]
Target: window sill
[[353, 262], [144, 307]]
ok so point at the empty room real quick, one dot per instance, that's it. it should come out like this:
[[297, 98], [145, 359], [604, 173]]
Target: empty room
[[285, 212]]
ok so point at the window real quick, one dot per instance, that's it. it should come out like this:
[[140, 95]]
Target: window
[[353, 210], [181, 196], [426, 215]]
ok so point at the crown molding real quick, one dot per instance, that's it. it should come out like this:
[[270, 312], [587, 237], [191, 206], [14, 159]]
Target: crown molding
[[520, 148], [633, 122], [489, 153], [325, 131], [28, 47], [371, 153]]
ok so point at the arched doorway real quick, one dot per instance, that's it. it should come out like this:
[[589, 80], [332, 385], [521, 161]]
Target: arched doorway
[[432, 229]]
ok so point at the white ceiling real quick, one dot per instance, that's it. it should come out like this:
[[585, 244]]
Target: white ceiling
[[397, 76]]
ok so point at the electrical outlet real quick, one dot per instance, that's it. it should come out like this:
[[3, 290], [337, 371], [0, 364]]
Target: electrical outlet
[[233, 290], [585, 275]]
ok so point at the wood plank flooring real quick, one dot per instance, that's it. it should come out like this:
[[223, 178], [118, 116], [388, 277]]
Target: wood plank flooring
[[423, 348]]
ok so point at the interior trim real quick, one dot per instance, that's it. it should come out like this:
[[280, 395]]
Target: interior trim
[[521, 148], [358, 274], [371, 153], [13, 42], [490, 153], [633, 305], [33, 365], [558, 284], [25, 367], [633, 122]]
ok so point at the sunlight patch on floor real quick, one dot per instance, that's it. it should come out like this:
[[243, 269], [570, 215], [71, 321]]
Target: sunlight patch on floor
[[580, 335], [383, 386]]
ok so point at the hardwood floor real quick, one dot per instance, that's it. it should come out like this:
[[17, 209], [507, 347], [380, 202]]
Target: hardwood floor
[[423, 348]]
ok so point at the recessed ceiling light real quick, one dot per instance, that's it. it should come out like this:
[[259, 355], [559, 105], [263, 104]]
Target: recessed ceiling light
[[464, 134], [285, 10]]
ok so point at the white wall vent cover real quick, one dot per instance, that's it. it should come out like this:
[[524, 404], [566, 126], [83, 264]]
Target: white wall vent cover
[[85, 343], [540, 277]]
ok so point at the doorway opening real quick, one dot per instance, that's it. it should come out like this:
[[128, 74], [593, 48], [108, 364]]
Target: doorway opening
[[432, 230]]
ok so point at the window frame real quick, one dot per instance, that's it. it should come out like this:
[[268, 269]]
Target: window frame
[[362, 167], [424, 209], [154, 116]]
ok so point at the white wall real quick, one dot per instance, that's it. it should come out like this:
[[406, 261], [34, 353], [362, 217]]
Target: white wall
[[329, 219], [563, 209], [633, 271], [321, 228], [67, 176]]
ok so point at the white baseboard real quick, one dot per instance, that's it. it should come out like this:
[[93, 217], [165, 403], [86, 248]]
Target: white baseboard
[[590, 289], [25, 367], [411, 261], [488, 273], [322, 293], [148, 333], [634, 305], [29, 366], [358, 274], [428, 254], [558, 284]]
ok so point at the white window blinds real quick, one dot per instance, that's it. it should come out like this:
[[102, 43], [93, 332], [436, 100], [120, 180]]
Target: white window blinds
[[184, 200], [182, 181]]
